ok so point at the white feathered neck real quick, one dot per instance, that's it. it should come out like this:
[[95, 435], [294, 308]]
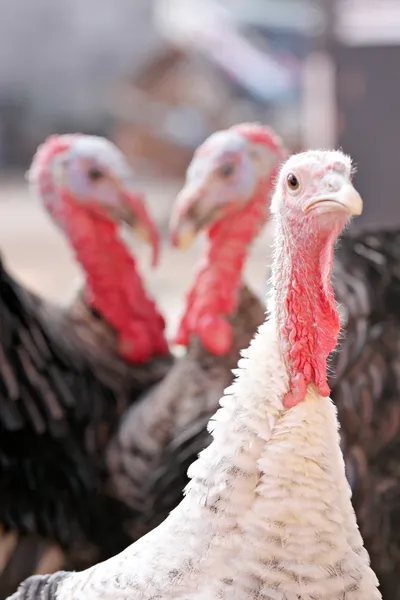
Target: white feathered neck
[[267, 513]]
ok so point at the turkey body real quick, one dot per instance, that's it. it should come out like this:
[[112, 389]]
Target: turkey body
[[63, 390], [365, 387]]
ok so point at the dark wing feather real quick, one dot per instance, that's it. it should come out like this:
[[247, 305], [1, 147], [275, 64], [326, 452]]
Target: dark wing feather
[[40, 587], [60, 403]]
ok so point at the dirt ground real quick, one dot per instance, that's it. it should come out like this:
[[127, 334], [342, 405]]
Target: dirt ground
[[39, 255]]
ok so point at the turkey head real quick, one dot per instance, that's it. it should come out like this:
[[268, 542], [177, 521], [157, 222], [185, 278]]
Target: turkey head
[[226, 193], [314, 200], [88, 189]]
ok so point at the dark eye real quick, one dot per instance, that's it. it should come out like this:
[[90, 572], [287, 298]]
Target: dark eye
[[226, 170], [292, 181], [95, 173]]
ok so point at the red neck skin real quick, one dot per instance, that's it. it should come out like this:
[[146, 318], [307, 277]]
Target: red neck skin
[[306, 312], [214, 295], [113, 286]]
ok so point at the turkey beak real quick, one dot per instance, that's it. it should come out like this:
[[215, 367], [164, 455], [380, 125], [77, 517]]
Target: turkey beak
[[344, 199], [135, 214], [183, 234], [193, 210], [183, 223]]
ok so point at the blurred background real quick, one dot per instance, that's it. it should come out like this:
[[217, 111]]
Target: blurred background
[[158, 76]]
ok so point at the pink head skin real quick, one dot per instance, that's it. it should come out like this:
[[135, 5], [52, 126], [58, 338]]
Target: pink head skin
[[227, 192], [314, 200], [87, 188]]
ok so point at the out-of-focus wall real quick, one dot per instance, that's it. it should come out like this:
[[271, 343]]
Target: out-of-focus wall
[[59, 57], [62, 53], [367, 58]]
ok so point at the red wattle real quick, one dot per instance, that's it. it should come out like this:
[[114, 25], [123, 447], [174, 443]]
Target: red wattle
[[114, 287], [134, 344], [215, 334], [309, 329], [213, 298], [297, 391], [181, 338], [324, 389]]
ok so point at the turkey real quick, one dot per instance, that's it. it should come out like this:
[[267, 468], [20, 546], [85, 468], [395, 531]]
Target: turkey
[[68, 374], [267, 513], [221, 312], [365, 383]]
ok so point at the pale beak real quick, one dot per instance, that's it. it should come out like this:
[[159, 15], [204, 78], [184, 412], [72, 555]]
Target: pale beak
[[203, 202], [135, 214], [194, 210], [184, 222], [346, 199], [183, 234]]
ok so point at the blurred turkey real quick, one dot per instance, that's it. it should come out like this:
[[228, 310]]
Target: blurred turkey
[[228, 185], [365, 379], [68, 374]]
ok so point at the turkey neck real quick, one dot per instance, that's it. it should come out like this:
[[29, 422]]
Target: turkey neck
[[306, 313], [249, 314], [220, 277], [215, 292], [113, 286]]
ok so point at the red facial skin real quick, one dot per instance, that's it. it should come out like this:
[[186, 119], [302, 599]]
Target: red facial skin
[[214, 295], [113, 286], [310, 328], [306, 309]]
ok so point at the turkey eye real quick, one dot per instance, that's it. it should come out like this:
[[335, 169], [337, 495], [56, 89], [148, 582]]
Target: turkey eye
[[226, 170], [95, 174], [293, 182]]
